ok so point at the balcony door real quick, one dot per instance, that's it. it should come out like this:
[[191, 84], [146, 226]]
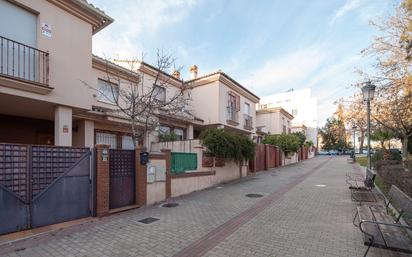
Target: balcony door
[[18, 40], [18, 24]]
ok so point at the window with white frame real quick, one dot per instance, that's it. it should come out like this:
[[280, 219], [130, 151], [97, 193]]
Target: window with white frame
[[127, 142], [107, 92], [159, 93], [247, 108], [179, 133], [106, 139]]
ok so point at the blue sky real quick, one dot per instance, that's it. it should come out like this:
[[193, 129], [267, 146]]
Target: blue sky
[[269, 46]]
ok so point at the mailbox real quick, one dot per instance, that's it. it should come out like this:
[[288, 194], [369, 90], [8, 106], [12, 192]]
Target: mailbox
[[144, 158], [105, 154]]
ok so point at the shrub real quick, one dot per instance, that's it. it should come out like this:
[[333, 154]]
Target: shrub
[[230, 145], [289, 143], [301, 136], [392, 154], [168, 137], [309, 143]]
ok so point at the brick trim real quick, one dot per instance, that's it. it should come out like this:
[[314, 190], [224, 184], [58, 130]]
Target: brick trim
[[102, 181], [168, 154], [194, 174], [140, 179]]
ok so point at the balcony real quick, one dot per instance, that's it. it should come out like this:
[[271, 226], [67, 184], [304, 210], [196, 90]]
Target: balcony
[[248, 122], [232, 116], [23, 67]]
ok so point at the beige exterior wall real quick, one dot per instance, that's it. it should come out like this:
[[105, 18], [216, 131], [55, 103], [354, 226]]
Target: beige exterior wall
[[156, 192], [210, 104], [223, 100], [70, 48], [206, 103], [182, 186], [272, 122]]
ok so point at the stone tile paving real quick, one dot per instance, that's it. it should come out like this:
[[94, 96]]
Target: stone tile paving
[[305, 221]]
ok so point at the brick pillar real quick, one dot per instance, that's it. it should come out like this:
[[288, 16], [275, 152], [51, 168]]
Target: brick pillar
[[168, 156], [280, 157], [276, 157], [267, 157], [140, 179], [102, 180]]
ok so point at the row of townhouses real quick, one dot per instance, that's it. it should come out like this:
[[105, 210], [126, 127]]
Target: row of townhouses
[[48, 74]]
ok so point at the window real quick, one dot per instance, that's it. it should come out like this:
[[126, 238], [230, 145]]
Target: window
[[179, 133], [233, 101], [18, 24], [163, 130], [159, 93], [127, 142], [107, 92], [247, 108], [107, 139], [294, 112]]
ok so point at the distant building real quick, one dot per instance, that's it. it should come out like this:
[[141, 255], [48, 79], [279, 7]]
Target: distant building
[[271, 121], [221, 102], [301, 105]]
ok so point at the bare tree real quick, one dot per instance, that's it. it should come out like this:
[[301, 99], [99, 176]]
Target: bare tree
[[145, 99], [392, 107]]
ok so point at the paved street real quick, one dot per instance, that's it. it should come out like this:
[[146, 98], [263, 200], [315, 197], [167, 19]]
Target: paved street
[[306, 211]]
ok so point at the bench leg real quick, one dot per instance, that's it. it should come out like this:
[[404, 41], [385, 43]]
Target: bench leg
[[354, 218], [370, 243], [367, 250]]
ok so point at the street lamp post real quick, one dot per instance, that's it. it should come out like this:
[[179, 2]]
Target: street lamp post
[[354, 140], [368, 91]]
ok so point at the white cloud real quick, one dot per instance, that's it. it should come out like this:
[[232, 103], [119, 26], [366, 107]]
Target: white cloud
[[347, 7], [124, 37], [285, 72]]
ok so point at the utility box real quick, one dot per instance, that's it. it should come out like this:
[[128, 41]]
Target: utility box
[[151, 174], [160, 173]]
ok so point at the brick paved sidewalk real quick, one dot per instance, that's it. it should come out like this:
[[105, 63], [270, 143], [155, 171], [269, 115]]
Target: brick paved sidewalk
[[296, 217]]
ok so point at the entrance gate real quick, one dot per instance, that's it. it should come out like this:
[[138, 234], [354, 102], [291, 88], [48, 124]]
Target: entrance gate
[[43, 185], [122, 178]]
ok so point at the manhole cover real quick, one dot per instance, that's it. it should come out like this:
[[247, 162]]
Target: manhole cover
[[170, 205], [148, 220], [254, 195]]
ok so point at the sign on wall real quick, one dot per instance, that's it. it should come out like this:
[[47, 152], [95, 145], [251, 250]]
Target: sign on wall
[[46, 30]]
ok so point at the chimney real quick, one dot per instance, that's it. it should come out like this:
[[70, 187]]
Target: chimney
[[176, 74], [193, 71]]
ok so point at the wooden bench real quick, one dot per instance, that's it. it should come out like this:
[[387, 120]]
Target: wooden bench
[[362, 188], [380, 228]]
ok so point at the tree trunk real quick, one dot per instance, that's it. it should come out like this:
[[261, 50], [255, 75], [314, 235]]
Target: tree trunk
[[405, 140], [361, 139]]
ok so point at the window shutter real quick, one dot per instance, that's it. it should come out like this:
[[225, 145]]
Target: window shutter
[[237, 103]]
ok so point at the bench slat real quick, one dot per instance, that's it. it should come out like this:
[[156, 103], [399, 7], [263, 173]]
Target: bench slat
[[401, 201], [365, 213], [395, 238], [362, 195]]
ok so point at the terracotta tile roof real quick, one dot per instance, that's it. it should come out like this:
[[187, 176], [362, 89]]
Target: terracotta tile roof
[[228, 77], [105, 19]]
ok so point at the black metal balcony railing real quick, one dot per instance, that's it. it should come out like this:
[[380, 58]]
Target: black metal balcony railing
[[22, 62], [232, 114], [248, 122]]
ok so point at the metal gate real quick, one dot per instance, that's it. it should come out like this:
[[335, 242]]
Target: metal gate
[[122, 178], [43, 185]]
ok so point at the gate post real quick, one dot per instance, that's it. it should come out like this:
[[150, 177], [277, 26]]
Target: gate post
[[267, 157], [102, 180], [140, 178], [168, 155]]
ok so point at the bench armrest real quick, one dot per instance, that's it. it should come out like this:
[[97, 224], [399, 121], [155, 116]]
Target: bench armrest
[[382, 223]]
